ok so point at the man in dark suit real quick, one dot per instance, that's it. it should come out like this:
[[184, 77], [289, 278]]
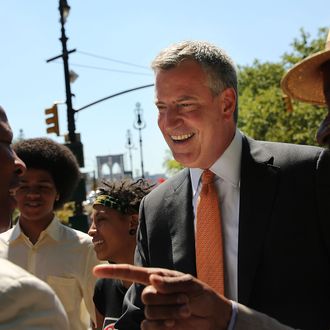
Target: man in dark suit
[[273, 199]]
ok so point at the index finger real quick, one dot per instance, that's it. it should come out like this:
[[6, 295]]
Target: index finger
[[126, 272]]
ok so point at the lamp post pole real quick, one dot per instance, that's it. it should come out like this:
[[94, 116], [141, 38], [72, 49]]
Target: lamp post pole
[[64, 9], [140, 124], [72, 139], [79, 219], [130, 146]]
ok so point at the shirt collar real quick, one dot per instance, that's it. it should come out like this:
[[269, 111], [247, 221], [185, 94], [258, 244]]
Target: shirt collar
[[16, 233], [227, 166], [53, 230]]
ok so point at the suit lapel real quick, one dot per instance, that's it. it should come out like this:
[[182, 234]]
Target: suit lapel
[[181, 224], [259, 182]]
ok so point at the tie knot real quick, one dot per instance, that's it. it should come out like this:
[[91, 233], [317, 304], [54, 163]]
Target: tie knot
[[207, 177]]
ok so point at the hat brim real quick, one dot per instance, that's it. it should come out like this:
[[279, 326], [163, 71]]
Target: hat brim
[[304, 81]]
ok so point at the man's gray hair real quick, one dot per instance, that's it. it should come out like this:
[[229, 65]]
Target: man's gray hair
[[218, 66]]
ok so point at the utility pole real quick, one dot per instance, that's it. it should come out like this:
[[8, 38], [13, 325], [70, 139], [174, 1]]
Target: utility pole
[[64, 9], [140, 124], [72, 139], [79, 220]]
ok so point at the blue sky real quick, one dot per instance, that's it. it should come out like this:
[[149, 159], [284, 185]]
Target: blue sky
[[132, 32]]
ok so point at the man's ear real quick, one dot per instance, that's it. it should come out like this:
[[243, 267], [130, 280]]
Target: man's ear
[[133, 221], [228, 101]]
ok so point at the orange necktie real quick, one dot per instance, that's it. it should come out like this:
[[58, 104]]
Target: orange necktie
[[209, 249]]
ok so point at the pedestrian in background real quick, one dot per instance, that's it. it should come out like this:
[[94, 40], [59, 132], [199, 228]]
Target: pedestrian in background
[[26, 302], [59, 255], [113, 229]]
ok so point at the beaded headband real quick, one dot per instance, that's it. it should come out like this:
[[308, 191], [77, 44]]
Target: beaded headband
[[111, 202]]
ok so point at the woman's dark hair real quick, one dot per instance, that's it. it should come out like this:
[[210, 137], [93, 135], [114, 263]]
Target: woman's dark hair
[[127, 192], [56, 159]]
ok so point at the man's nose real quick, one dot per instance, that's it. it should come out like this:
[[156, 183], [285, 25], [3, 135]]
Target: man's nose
[[20, 166], [172, 117], [92, 230]]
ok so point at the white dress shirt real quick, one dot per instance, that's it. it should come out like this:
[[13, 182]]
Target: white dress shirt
[[28, 303], [62, 257], [227, 169]]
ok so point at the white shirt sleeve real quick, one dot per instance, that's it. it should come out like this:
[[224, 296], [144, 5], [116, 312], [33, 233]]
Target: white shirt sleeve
[[27, 302]]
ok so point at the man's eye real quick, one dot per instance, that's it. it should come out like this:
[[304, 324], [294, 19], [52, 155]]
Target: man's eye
[[45, 187], [161, 108], [187, 106]]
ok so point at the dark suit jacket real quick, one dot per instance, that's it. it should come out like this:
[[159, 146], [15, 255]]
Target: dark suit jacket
[[284, 233]]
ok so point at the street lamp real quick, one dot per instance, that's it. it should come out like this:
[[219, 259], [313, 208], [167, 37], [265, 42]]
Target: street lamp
[[139, 124], [65, 9], [130, 146]]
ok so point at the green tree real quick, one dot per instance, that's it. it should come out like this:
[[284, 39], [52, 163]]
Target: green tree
[[171, 165], [65, 212], [263, 113], [304, 46]]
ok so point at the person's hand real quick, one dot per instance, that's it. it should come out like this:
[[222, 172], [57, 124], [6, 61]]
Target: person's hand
[[173, 300]]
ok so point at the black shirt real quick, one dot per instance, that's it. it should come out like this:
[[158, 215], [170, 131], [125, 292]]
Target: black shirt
[[108, 299]]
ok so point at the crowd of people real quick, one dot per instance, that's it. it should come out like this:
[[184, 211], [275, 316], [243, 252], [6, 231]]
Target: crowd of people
[[239, 239]]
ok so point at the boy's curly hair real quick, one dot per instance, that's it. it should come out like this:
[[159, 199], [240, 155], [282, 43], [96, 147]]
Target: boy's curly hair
[[127, 191], [55, 158]]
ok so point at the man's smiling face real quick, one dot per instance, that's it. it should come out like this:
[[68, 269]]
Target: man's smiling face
[[196, 124]]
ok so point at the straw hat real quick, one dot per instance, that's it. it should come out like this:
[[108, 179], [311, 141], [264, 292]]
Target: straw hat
[[304, 81]]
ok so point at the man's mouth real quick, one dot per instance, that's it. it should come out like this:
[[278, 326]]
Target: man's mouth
[[181, 137], [33, 204], [97, 243]]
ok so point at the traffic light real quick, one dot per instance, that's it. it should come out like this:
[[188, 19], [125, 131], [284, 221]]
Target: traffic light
[[52, 120]]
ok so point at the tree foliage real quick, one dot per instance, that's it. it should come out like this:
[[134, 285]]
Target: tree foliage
[[65, 212], [263, 113], [304, 46], [171, 165]]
